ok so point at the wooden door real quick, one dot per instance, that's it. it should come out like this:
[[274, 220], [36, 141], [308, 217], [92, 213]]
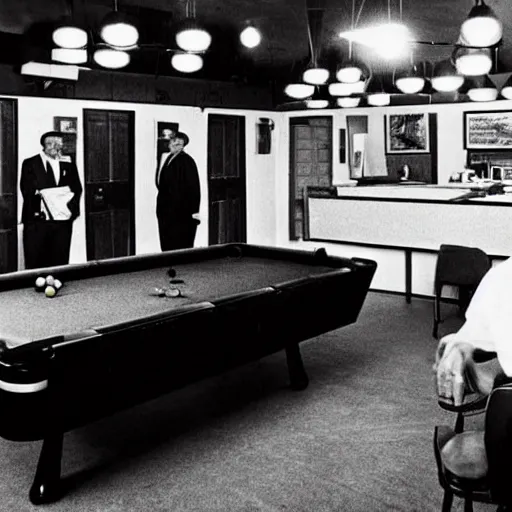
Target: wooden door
[[226, 179], [109, 183], [310, 164], [8, 186]]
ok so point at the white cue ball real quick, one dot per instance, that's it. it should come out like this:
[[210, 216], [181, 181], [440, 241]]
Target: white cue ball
[[40, 282]]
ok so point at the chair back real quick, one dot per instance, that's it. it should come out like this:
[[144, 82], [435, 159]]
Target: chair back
[[461, 266], [498, 444]]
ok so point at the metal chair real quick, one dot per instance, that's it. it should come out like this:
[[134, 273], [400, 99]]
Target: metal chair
[[460, 266]]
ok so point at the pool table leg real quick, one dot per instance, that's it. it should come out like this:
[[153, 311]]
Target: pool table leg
[[298, 376], [46, 487]]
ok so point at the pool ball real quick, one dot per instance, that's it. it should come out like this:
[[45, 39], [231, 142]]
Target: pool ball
[[57, 284], [171, 272], [173, 292], [50, 291], [40, 284], [50, 281], [157, 292]]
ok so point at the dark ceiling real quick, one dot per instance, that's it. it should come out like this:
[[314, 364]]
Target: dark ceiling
[[25, 27]]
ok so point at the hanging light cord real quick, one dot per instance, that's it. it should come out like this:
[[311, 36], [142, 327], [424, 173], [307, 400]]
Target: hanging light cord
[[351, 28]]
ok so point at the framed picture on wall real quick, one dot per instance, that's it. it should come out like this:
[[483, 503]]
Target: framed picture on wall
[[165, 132], [407, 133], [68, 127], [488, 130]]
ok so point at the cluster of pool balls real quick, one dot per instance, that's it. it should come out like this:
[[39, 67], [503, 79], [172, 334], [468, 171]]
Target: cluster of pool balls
[[168, 291], [49, 285]]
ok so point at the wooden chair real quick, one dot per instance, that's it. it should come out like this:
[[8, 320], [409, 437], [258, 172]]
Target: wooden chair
[[460, 266], [476, 465]]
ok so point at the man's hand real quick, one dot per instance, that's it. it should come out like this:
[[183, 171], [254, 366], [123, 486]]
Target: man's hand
[[452, 360]]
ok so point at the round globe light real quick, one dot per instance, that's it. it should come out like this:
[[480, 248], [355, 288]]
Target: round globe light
[[187, 62], [250, 37]]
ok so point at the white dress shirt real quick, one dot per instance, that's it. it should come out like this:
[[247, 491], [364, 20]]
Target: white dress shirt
[[489, 316], [54, 163]]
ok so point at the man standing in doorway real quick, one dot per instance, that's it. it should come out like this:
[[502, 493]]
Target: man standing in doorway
[[46, 240], [179, 195]]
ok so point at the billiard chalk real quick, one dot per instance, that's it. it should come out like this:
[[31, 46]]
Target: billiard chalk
[[171, 272], [176, 281], [40, 284], [50, 281], [50, 291], [57, 284], [173, 292]]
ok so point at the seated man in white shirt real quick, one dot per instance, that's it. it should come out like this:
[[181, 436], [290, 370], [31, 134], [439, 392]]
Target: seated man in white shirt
[[488, 328]]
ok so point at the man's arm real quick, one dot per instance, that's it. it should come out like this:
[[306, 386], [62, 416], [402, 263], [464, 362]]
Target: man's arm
[[75, 187], [27, 180]]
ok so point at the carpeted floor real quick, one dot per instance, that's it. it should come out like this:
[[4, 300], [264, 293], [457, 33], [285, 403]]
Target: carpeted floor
[[358, 439]]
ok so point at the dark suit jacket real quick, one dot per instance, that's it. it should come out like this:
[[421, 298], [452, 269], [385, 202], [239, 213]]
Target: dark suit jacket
[[179, 192], [34, 177]]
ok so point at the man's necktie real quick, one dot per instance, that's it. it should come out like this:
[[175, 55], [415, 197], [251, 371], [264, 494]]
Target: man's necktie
[[51, 176]]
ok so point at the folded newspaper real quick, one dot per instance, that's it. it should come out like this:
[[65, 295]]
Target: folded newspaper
[[55, 202]]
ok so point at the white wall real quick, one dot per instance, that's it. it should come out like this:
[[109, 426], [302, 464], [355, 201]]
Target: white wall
[[35, 116], [267, 175], [451, 156]]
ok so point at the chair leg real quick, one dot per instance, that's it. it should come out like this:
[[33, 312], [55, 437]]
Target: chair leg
[[447, 501], [468, 504], [459, 423], [437, 312]]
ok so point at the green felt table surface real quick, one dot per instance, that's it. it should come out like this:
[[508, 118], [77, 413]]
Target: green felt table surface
[[26, 315]]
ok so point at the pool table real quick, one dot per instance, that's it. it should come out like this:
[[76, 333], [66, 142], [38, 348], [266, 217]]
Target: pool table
[[105, 343]]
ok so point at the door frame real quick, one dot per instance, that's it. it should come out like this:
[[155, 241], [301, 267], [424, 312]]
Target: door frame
[[242, 161], [131, 172]]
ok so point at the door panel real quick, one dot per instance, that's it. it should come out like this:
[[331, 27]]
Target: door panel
[[8, 187], [310, 164], [109, 183], [226, 179]]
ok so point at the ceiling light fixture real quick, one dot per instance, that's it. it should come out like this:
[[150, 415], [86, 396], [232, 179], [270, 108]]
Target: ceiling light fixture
[[445, 77], [69, 35], [187, 62], [410, 80], [118, 30], [316, 76], [70, 55], [250, 36], [349, 101], [340, 89], [350, 71], [481, 89], [110, 58], [481, 28], [472, 61], [377, 96], [299, 91], [390, 40], [506, 90], [317, 103], [192, 37]]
